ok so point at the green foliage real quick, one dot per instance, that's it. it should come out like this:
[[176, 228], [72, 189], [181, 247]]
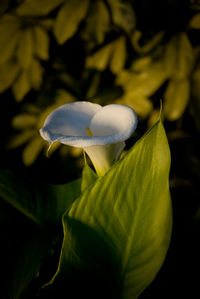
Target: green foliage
[[133, 223], [115, 234], [34, 201], [37, 8], [88, 176], [68, 19]]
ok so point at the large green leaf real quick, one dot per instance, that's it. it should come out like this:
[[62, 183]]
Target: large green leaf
[[88, 177], [118, 232], [42, 203]]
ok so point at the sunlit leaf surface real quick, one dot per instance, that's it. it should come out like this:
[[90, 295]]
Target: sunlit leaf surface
[[122, 221]]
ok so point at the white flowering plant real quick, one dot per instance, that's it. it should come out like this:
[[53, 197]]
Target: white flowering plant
[[116, 220]]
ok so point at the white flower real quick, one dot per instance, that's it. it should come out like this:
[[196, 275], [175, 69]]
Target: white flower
[[100, 131]]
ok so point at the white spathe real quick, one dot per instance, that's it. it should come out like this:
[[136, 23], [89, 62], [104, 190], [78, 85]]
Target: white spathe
[[100, 131]]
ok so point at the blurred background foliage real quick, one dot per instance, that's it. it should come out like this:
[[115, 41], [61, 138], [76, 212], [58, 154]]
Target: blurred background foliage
[[134, 52]]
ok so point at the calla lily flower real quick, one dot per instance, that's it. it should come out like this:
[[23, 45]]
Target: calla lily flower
[[100, 131]]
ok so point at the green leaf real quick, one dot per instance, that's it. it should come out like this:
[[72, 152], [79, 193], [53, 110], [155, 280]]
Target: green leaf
[[37, 7], [10, 34], [21, 86], [100, 59], [68, 19], [135, 39], [24, 120], [118, 58], [35, 73], [25, 48], [41, 203], [121, 226], [20, 138], [143, 83], [8, 73], [123, 14], [98, 15], [88, 177], [195, 22], [32, 150], [176, 98], [41, 39], [141, 104], [178, 57]]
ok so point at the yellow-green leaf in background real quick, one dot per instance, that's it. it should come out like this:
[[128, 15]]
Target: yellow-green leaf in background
[[68, 19], [143, 83], [37, 7], [195, 22], [20, 139], [123, 14], [21, 86], [47, 23], [35, 72], [8, 73], [41, 42], [141, 63], [32, 150], [118, 58], [141, 104], [23, 120], [135, 39], [97, 23], [176, 98], [100, 59], [195, 103], [25, 48], [178, 57], [4, 6], [9, 36]]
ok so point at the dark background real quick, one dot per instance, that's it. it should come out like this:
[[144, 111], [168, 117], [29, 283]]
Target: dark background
[[179, 276]]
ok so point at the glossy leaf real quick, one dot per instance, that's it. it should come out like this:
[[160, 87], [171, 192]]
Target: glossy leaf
[[176, 98], [41, 44], [9, 36], [32, 150], [122, 14], [23, 120], [178, 56], [135, 39], [123, 221], [98, 15], [37, 7], [35, 73], [41, 203], [21, 86], [118, 58], [141, 104], [25, 48], [8, 73], [143, 83], [88, 177], [20, 138], [195, 22], [68, 19], [100, 59]]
